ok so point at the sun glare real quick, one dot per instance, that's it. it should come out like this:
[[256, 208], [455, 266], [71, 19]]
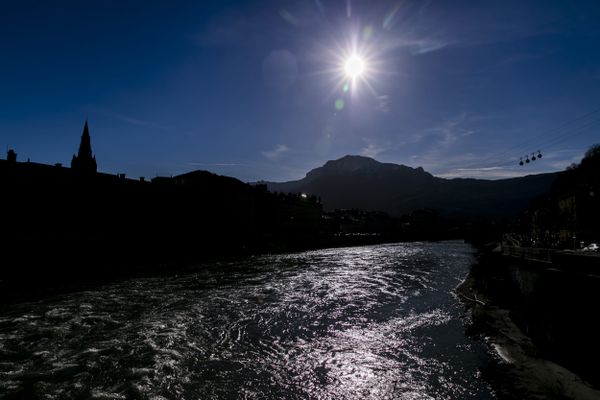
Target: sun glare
[[354, 66]]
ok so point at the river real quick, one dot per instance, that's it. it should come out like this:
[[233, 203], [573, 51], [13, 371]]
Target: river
[[373, 322]]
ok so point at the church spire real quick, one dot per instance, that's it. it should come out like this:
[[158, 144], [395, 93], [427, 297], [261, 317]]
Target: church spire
[[84, 162], [85, 147]]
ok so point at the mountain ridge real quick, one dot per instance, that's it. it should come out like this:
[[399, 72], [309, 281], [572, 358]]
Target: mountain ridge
[[362, 182]]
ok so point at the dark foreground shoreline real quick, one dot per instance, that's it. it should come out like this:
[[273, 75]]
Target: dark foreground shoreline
[[546, 337]]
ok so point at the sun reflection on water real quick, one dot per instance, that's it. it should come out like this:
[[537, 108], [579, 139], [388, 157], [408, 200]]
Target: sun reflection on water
[[374, 322]]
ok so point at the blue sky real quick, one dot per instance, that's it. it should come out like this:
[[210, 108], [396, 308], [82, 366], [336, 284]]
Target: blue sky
[[249, 88]]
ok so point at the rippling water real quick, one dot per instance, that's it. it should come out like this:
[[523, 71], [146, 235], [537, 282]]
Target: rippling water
[[376, 322]]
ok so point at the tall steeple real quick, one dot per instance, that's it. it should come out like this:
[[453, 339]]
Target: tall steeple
[[84, 162]]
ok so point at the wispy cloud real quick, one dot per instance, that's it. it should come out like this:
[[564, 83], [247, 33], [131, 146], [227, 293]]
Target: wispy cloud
[[552, 161], [479, 169], [419, 45], [430, 160], [486, 173], [446, 132], [372, 150], [424, 27], [129, 119], [383, 103], [199, 164], [276, 152], [427, 46], [561, 159]]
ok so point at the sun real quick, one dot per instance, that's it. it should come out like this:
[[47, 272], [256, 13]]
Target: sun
[[353, 63], [354, 66]]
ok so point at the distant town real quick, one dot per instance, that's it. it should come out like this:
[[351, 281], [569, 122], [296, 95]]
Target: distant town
[[199, 213], [77, 223]]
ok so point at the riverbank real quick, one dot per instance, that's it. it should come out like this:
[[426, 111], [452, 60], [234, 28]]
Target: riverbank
[[499, 307]]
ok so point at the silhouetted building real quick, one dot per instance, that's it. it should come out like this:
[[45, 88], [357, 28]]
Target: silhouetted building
[[84, 162], [11, 156]]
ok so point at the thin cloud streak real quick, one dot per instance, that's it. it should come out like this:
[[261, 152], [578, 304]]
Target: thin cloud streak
[[373, 150], [552, 162], [197, 164], [139, 122], [276, 152], [486, 173], [130, 120], [479, 169]]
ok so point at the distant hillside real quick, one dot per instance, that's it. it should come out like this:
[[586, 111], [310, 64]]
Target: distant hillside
[[362, 182]]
